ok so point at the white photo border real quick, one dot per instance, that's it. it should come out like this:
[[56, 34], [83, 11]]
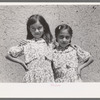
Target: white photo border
[[50, 90]]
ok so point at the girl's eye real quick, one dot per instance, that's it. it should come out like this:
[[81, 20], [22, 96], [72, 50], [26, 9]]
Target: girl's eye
[[33, 28], [67, 37], [61, 37], [40, 28]]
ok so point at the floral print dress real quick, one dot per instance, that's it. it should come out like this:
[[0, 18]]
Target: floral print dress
[[65, 63], [36, 55]]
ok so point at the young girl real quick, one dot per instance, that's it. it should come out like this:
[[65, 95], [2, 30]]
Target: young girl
[[36, 51], [66, 57]]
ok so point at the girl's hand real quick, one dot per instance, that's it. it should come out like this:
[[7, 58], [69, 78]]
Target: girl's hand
[[23, 42], [25, 66], [55, 43], [8, 56], [59, 72], [79, 69]]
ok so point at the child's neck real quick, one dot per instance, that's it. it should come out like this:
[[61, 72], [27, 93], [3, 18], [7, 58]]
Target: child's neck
[[36, 39], [63, 48]]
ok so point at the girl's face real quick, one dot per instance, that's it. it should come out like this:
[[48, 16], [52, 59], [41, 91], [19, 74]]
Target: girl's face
[[64, 38], [37, 30]]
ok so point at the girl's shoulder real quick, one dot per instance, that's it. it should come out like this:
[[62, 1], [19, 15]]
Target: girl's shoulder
[[75, 46], [67, 50], [80, 50], [41, 40], [24, 42]]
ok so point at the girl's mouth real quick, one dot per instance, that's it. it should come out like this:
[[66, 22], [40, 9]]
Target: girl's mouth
[[38, 34], [64, 43]]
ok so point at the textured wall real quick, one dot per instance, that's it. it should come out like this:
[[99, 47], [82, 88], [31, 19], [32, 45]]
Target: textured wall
[[84, 20]]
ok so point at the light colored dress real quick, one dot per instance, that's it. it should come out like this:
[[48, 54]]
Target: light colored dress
[[36, 55], [65, 63]]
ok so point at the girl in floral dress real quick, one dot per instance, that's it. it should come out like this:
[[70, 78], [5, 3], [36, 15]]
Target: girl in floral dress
[[66, 57], [36, 51]]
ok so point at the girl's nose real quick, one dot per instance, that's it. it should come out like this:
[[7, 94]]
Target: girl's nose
[[64, 39], [37, 30]]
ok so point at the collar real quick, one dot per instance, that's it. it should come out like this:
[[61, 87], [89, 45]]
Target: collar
[[38, 40], [67, 49]]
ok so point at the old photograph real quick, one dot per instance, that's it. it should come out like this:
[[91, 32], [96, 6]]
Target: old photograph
[[49, 43]]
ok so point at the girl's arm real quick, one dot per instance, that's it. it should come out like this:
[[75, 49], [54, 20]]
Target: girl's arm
[[86, 63], [8, 56], [84, 57]]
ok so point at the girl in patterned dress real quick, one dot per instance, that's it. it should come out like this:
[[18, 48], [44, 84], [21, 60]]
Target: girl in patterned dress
[[36, 51], [66, 57]]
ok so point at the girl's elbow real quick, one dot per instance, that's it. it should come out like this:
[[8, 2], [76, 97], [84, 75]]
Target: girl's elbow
[[7, 56], [92, 60]]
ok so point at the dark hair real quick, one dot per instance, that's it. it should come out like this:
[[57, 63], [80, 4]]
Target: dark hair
[[47, 36], [62, 27]]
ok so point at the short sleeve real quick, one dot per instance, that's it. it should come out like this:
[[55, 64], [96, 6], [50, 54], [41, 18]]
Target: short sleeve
[[82, 54], [16, 51]]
